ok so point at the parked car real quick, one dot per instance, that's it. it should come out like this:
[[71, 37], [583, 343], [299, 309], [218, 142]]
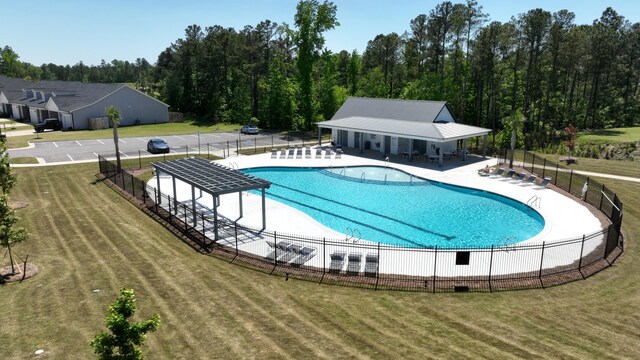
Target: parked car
[[248, 129], [157, 146], [51, 124]]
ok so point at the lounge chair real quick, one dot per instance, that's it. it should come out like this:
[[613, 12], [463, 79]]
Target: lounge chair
[[290, 253], [283, 154], [307, 153], [522, 176], [273, 253], [274, 153], [371, 265], [337, 262], [531, 179], [318, 153], [510, 174], [338, 153], [328, 153], [545, 182], [304, 254], [291, 153], [355, 262], [498, 173], [299, 152]]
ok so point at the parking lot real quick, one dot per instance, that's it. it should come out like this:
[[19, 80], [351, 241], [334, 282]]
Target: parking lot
[[87, 150]]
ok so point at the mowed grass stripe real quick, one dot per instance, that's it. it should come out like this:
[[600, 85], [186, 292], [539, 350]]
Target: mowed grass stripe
[[144, 274], [161, 249]]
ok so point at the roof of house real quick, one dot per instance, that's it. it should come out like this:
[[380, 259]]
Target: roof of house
[[69, 95], [410, 110], [436, 132], [413, 119]]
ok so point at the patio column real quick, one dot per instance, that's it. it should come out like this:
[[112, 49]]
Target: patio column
[[159, 193], [240, 201], [193, 205], [410, 149], [439, 157], [215, 220], [484, 146], [464, 149], [264, 212], [361, 143], [319, 136], [175, 198]]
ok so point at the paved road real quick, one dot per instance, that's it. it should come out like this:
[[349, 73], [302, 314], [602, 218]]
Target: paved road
[[83, 150]]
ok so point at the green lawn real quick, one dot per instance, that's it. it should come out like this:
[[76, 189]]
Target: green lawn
[[630, 134], [84, 237], [187, 127]]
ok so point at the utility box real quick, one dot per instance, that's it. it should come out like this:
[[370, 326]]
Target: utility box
[[98, 123]]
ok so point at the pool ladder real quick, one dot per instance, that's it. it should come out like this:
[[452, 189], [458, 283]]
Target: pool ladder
[[351, 235], [363, 177], [505, 242], [534, 201], [233, 165]]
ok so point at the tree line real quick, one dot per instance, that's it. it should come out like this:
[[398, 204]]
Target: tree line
[[539, 63]]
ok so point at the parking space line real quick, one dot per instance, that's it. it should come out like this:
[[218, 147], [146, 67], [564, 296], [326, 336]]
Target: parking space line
[[70, 158], [54, 143], [124, 154], [100, 142], [78, 142], [179, 137], [94, 153], [124, 142], [141, 139]]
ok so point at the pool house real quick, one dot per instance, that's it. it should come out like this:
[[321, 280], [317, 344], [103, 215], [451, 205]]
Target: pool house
[[415, 129]]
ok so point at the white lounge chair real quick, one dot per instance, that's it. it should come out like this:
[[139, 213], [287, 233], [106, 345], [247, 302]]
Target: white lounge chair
[[355, 263], [337, 262]]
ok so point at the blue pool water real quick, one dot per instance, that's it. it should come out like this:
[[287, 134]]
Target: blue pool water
[[411, 214]]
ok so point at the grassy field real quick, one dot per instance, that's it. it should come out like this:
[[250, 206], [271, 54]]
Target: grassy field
[[187, 127], [630, 134], [84, 237]]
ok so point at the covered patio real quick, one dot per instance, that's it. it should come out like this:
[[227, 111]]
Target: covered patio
[[211, 178], [434, 141]]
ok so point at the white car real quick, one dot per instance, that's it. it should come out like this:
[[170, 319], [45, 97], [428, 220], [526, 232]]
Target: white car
[[248, 129]]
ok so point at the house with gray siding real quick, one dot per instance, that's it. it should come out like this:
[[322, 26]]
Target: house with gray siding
[[413, 128], [74, 102]]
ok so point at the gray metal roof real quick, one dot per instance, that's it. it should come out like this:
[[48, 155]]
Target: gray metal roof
[[211, 177], [436, 132], [70, 95], [411, 110]]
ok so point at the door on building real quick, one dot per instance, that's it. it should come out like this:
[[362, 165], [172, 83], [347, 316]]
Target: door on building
[[356, 140], [67, 123]]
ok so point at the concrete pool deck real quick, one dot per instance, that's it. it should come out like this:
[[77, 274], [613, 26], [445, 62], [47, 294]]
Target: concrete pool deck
[[565, 217]]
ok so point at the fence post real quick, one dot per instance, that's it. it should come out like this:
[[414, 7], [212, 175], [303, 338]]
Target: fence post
[[207, 151], [541, 261], [184, 209], [133, 186], [533, 162], [187, 149], [555, 179], [235, 226], [271, 140], [255, 145], [139, 160], [435, 259], [490, 267], [544, 167], [155, 198], [378, 269], [324, 258], [601, 197], [570, 179], [169, 200], [580, 262]]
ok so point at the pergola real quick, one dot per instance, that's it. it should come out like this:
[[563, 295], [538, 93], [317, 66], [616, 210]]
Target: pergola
[[211, 178]]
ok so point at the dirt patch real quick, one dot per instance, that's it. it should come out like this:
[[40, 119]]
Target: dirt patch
[[6, 276], [15, 205], [136, 172]]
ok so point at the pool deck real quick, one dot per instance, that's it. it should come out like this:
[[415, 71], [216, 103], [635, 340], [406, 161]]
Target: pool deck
[[565, 217]]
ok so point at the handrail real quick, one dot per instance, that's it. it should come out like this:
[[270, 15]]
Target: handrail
[[535, 199], [233, 165], [386, 162], [363, 177], [347, 231]]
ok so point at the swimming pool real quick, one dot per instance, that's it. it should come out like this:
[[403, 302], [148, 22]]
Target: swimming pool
[[410, 214]]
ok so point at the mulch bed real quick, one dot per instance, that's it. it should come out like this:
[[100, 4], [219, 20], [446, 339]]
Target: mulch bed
[[7, 277]]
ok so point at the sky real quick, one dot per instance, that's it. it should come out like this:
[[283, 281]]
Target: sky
[[69, 31]]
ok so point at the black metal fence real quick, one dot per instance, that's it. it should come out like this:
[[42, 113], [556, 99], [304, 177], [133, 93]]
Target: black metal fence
[[349, 262]]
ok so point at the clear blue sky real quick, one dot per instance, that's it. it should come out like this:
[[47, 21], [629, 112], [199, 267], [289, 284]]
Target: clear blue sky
[[68, 31]]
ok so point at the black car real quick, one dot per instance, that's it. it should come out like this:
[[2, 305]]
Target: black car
[[157, 145], [51, 124]]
